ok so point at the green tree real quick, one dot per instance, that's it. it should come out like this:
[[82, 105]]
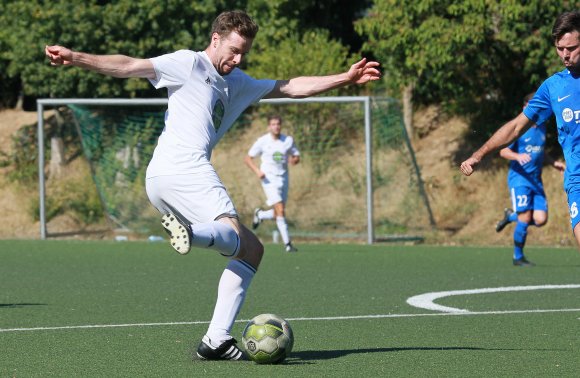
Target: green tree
[[143, 29], [479, 57]]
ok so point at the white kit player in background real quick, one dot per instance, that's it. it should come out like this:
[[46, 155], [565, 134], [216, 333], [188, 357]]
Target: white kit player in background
[[207, 92], [276, 150]]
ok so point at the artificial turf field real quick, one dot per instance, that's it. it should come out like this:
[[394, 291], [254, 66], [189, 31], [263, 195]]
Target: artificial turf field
[[106, 309]]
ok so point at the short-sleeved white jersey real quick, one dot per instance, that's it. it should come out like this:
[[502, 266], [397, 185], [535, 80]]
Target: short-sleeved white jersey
[[202, 106], [274, 153]]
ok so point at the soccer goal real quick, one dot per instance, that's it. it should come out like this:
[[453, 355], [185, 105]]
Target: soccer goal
[[357, 179]]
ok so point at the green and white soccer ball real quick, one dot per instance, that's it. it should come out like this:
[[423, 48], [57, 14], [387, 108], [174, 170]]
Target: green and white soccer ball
[[268, 339]]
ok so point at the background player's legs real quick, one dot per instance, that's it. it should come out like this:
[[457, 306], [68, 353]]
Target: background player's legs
[[577, 233], [540, 218], [260, 215], [520, 235], [266, 214], [279, 211]]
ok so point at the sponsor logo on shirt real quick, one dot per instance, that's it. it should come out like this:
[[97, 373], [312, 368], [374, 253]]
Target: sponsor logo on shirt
[[218, 114], [569, 115], [533, 149], [278, 157]]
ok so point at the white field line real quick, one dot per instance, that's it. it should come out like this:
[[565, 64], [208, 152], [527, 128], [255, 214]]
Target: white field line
[[325, 318], [426, 300]]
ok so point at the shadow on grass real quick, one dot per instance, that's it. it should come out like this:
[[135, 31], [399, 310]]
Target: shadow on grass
[[313, 355], [16, 305]]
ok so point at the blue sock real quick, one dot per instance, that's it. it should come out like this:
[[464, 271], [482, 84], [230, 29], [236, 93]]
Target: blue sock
[[513, 217], [520, 234]]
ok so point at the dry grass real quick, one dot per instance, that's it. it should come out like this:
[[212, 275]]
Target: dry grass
[[465, 209]]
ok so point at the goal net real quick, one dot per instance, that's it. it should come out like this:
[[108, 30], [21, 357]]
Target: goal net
[[357, 178]]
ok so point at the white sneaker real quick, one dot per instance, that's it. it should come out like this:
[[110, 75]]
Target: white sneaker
[[256, 221], [179, 232]]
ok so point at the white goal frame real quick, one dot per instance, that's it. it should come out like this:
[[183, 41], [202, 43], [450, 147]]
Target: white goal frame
[[364, 100]]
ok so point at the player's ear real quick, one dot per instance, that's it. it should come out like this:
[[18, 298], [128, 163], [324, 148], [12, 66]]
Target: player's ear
[[215, 37]]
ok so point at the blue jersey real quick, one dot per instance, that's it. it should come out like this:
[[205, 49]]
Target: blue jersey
[[529, 174], [560, 95]]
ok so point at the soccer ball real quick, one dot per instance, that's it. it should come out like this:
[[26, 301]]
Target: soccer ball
[[268, 339]]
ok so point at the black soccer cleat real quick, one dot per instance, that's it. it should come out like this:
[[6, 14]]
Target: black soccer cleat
[[523, 262], [290, 248], [227, 351], [505, 221], [179, 232], [256, 220]]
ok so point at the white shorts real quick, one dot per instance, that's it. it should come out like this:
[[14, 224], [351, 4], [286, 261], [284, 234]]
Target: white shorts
[[200, 198], [276, 189]]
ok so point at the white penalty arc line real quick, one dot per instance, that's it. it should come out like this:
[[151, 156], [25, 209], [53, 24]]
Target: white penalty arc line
[[324, 318], [426, 301]]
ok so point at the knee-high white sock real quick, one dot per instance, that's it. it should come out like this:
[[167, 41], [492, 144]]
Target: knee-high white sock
[[266, 214], [283, 228], [217, 236], [232, 289]]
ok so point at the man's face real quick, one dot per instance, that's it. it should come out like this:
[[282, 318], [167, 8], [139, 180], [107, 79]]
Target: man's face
[[274, 126], [229, 51], [569, 51]]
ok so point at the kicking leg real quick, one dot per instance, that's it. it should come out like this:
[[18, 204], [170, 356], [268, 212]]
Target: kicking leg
[[214, 235]]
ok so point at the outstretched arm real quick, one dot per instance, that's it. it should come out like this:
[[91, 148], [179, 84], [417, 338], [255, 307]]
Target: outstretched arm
[[508, 154], [501, 138], [304, 86], [112, 65]]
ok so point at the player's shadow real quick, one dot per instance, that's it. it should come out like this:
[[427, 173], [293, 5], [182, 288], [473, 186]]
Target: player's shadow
[[307, 356], [17, 305]]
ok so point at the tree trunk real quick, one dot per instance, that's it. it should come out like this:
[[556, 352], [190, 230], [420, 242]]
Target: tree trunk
[[56, 157], [408, 110]]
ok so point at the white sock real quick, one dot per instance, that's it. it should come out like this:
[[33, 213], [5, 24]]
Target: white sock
[[266, 214], [217, 236], [283, 228], [232, 289]]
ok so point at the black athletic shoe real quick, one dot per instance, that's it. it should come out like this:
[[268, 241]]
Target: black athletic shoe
[[505, 221], [179, 232], [523, 262], [290, 248], [227, 351], [256, 220]]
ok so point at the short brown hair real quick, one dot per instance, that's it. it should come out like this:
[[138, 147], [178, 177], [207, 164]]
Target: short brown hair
[[275, 116], [237, 21], [567, 22]]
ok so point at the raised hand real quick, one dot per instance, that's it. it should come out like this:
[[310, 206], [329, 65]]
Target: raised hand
[[58, 55], [362, 72]]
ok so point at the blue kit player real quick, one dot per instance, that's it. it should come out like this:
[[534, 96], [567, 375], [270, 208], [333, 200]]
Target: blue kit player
[[559, 95], [526, 156]]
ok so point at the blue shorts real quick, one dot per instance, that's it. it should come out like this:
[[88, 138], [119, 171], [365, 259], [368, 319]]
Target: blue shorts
[[525, 198], [573, 195]]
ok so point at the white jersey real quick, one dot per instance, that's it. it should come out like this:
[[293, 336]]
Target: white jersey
[[274, 153], [202, 106]]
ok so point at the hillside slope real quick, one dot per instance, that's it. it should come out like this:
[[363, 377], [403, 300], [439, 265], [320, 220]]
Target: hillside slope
[[465, 209]]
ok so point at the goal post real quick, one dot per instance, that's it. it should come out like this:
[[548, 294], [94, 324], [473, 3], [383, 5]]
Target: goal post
[[385, 114]]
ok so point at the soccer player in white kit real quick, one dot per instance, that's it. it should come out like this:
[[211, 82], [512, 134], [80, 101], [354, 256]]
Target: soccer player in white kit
[[207, 92], [276, 150]]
